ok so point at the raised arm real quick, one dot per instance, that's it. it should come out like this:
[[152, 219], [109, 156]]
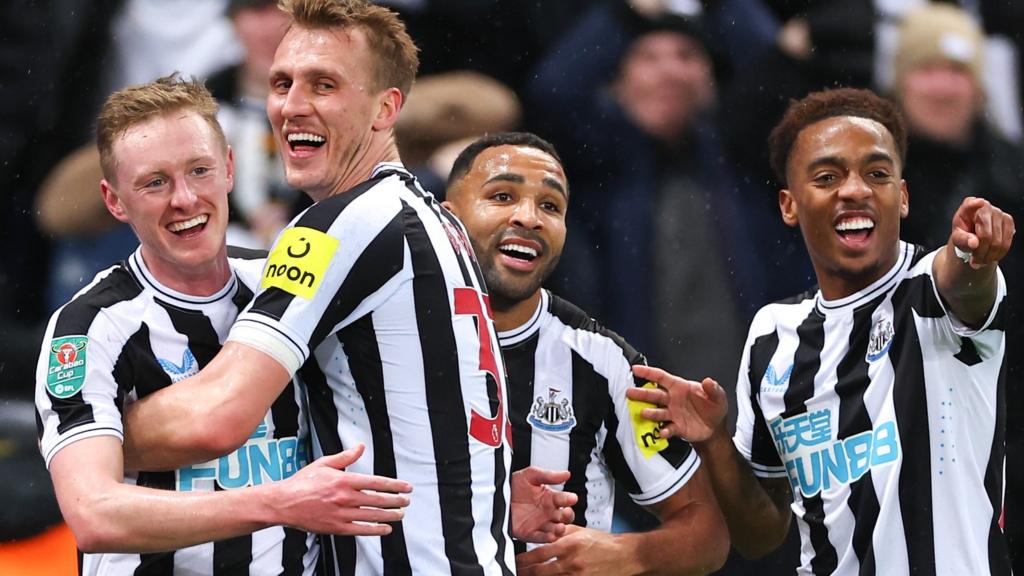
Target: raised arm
[[107, 515], [205, 416], [983, 233], [756, 509]]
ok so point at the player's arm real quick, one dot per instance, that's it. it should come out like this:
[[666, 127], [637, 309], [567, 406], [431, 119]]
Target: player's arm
[[756, 509], [969, 288], [205, 416], [692, 539], [107, 515]]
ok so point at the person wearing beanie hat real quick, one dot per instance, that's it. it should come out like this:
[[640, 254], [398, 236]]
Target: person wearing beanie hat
[[938, 68]]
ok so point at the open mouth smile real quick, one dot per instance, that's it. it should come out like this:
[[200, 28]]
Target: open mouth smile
[[855, 231], [189, 228]]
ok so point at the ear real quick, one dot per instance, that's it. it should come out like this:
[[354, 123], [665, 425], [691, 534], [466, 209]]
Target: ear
[[904, 199], [113, 203], [390, 105], [230, 165], [787, 206]]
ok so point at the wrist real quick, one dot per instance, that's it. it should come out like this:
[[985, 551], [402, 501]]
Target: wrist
[[266, 503], [719, 437], [629, 549]]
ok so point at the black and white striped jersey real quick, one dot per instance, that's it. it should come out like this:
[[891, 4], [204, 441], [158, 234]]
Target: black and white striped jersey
[[125, 336], [379, 289], [567, 382], [887, 416]]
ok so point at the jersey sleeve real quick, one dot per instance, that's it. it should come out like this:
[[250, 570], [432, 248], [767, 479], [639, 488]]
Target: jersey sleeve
[[336, 262], [752, 438], [76, 394], [649, 467], [993, 321]]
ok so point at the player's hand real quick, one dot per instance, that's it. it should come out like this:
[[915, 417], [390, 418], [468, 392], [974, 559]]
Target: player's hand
[[540, 514], [580, 551], [983, 230], [690, 410], [324, 499]]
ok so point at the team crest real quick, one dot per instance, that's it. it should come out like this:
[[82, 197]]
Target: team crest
[[774, 382], [188, 367], [66, 373], [880, 339], [553, 415]]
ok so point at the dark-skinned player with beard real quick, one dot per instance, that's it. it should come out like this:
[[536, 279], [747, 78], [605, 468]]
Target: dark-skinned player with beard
[[567, 377]]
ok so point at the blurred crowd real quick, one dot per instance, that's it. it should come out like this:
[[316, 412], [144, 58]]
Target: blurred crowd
[[659, 108]]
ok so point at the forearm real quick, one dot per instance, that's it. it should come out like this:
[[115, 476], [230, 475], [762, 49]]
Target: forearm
[[968, 292], [205, 416], [120, 517], [681, 545], [757, 522]]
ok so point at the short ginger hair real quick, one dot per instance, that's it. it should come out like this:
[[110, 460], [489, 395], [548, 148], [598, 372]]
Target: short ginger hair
[[134, 105], [818, 106], [390, 43]]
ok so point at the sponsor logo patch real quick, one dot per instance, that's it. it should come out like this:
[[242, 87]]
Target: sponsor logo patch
[[261, 459], [188, 367], [66, 372], [816, 460], [553, 414], [646, 431], [299, 260], [773, 382]]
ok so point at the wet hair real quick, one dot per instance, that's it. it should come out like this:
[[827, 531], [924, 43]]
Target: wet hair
[[134, 105], [466, 158], [395, 51], [818, 106]]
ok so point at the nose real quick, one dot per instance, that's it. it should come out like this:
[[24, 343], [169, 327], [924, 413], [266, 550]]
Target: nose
[[296, 103], [855, 188], [183, 197], [526, 215]]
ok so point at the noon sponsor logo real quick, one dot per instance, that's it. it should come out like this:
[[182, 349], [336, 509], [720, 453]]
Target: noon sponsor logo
[[299, 260]]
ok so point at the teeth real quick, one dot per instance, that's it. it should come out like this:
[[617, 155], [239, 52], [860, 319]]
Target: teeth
[[855, 224], [305, 137], [520, 249], [179, 226]]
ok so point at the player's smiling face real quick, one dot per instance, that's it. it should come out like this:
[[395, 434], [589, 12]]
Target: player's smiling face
[[513, 202], [321, 105], [846, 193], [173, 175]]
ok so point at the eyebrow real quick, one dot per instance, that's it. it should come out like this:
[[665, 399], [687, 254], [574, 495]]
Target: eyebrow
[[518, 179], [837, 161]]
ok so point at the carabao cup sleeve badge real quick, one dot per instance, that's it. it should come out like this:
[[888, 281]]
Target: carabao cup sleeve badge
[[646, 431], [65, 374], [299, 261]]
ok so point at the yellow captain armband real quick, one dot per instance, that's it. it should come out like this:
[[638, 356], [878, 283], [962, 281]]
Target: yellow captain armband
[[646, 431]]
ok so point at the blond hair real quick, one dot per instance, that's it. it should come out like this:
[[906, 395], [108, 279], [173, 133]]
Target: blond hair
[[134, 105], [394, 49]]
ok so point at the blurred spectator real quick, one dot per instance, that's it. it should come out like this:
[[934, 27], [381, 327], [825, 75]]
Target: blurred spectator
[[817, 44], [1002, 22], [443, 114], [261, 202], [658, 247], [954, 153]]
